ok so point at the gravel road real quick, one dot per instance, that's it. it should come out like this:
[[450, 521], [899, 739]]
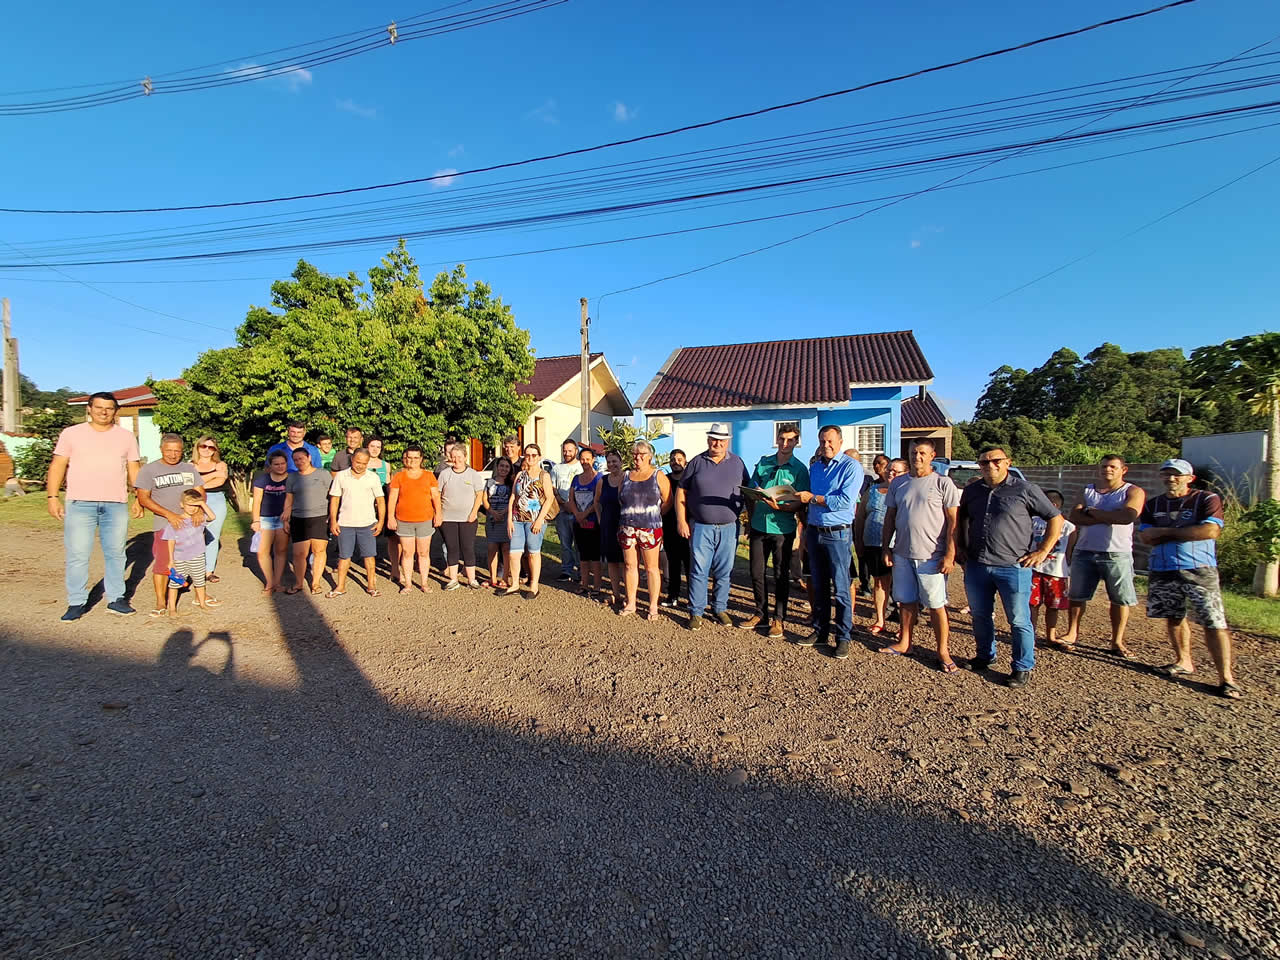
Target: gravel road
[[461, 775]]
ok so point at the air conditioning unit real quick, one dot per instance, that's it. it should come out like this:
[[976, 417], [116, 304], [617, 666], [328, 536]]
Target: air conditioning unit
[[662, 425]]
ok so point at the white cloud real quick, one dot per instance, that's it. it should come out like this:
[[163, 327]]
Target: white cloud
[[457, 150], [347, 105], [295, 78], [621, 113], [444, 178], [548, 112]]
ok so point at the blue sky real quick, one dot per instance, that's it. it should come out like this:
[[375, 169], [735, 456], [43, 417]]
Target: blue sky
[[591, 71]]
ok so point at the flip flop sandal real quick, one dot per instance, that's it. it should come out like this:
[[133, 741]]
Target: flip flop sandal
[[892, 652], [875, 631], [1230, 691], [316, 591], [404, 589], [1173, 670], [374, 593], [212, 578], [652, 616], [949, 667], [156, 614], [333, 594], [209, 603], [1122, 654], [292, 590], [624, 612]]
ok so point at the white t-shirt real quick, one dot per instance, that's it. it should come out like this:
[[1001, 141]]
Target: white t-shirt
[[1056, 564], [358, 495], [562, 475]]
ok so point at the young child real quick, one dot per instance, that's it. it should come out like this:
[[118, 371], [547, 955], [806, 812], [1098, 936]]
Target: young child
[[186, 551], [1049, 579]]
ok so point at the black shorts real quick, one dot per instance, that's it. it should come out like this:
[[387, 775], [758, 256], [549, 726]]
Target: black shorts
[[587, 542], [873, 559], [308, 528]]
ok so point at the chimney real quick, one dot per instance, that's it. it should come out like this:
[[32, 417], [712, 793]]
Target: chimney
[[920, 395]]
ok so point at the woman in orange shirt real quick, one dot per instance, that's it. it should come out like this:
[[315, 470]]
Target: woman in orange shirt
[[415, 503]]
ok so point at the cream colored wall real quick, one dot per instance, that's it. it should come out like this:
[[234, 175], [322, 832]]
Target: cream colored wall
[[555, 421], [601, 384]]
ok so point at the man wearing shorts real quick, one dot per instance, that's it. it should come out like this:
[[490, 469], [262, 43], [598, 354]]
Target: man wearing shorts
[[1181, 525], [1104, 514], [160, 486], [920, 510], [357, 510], [1049, 579], [306, 511], [995, 540]]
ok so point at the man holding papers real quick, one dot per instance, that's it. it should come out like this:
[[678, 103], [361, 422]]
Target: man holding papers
[[777, 479]]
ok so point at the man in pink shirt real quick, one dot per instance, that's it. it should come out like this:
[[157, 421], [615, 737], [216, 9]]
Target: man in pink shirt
[[99, 461]]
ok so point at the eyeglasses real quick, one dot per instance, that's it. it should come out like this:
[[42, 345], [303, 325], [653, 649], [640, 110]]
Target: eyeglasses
[[207, 446], [992, 462]]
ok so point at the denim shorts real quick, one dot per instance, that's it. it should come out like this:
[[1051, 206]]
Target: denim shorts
[[270, 523], [351, 539], [523, 538], [918, 581], [1113, 569]]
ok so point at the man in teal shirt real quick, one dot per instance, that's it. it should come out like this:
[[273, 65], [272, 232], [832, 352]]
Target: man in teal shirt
[[773, 531]]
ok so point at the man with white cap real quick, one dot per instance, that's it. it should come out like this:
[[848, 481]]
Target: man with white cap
[[1181, 525], [708, 503]]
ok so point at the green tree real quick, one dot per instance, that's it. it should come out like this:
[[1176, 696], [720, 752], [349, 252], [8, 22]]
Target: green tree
[[619, 438], [393, 359], [1249, 367]]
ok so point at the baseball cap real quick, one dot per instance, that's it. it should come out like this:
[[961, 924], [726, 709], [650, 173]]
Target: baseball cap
[[1178, 466]]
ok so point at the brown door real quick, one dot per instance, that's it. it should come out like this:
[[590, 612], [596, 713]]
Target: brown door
[[477, 454]]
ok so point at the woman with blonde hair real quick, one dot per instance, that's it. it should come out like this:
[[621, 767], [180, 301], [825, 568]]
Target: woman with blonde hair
[[645, 492], [213, 477], [531, 499]]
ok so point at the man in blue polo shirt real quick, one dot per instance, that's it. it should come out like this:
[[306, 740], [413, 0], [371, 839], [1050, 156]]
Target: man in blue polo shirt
[[296, 440], [1181, 525], [708, 502], [835, 482]]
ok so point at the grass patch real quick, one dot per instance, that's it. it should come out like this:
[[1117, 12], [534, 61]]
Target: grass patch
[[32, 513]]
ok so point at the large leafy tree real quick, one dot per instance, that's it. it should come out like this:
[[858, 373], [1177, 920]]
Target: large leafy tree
[[1248, 368], [388, 357]]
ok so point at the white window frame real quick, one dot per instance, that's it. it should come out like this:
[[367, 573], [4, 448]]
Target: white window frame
[[870, 444], [779, 424]]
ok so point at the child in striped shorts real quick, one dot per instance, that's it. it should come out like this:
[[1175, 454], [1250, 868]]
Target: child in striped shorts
[[186, 551]]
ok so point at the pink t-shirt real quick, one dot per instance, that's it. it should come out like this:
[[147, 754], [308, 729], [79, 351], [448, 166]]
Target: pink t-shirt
[[98, 460]]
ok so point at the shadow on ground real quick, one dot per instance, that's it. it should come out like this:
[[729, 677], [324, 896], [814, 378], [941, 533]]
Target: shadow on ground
[[173, 809]]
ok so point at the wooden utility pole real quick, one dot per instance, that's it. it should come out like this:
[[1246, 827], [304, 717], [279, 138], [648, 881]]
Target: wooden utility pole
[[12, 394], [586, 372]]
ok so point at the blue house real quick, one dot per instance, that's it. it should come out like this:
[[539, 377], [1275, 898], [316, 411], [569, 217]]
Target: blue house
[[856, 382]]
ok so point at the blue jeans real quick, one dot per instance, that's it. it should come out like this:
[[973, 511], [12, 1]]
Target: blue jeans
[[110, 520], [712, 546], [981, 584], [218, 504], [829, 560], [564, 530]]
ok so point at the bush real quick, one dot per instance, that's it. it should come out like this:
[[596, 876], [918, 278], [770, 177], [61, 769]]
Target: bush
[[32, 461], [1237, 547]]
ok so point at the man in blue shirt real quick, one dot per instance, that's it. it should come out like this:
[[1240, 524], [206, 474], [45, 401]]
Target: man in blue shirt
[[295, 440], [1181, 526], [835, 481]]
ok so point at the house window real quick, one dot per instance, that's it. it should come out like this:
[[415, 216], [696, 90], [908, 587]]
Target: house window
[[870, 442], [780, 425]]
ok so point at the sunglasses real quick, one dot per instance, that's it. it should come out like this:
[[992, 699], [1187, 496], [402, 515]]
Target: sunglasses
[[207, 446], [992, 462]]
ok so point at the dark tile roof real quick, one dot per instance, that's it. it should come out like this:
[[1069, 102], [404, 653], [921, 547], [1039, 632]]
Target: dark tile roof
[[552, 373], [817, 371], [923, 414], [127, 396]]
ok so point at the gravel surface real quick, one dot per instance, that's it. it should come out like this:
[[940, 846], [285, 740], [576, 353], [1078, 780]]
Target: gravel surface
[[460, 775]]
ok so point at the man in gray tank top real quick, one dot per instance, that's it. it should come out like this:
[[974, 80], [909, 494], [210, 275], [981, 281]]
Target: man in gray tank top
[[1104, 514]]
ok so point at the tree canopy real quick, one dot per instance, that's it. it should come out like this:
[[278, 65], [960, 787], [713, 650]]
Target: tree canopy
[[1073, 410], [389, 357]]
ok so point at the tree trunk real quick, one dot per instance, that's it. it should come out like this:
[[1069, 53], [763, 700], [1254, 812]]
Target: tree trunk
[[1266, 577], [241, 492]]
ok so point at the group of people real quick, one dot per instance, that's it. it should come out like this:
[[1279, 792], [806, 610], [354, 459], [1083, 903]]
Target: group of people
[[907, 526]]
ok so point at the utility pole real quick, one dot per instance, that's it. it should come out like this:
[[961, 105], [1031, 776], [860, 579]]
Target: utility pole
[[11, 389], [586, 372]]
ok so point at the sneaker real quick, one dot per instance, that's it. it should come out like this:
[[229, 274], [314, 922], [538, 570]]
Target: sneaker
[[1017, 679], [976, 665], [810, 640], [74, 612], [669, 604], [453, 585], [724, 619], [695, 623], [842, 650], [121, 608], [564, 576], [775, 628], [749, 624]]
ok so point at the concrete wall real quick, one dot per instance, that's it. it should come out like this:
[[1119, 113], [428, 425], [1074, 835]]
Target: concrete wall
[[1072, 478], [1238, 460]]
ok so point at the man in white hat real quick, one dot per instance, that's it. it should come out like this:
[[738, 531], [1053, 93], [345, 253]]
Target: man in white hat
[[708, 503], [1181, 526]]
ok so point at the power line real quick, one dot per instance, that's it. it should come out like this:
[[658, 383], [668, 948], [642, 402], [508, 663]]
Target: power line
[[378, 38], [702, 125], [1150, 223]]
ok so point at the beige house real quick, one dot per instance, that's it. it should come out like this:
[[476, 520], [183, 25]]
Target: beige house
[[556, 388], [923, 418]]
